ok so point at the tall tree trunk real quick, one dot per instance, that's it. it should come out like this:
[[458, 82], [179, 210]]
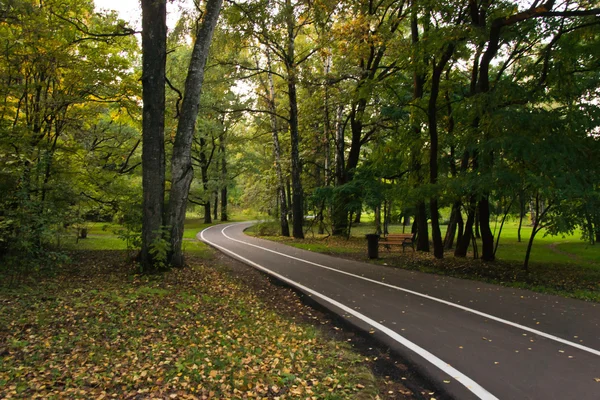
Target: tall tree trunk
[[215, 197], [204, 164], [283, 204], [462, 244], [422, 228], [181, 163], [326, 144], [154, 56], [537, 226], [207, 211], [291, 69], [385, 217], [418, 88], [455, 217], [357, 217], [487, 237], [506, 211], [378, 219], [521, 214], [461, 227], [215, 205], [224, 216], [438, 245], [590, 228], [338, 212]]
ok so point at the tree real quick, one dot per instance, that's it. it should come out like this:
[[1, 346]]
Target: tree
[[56, 54], [181, 162], [154, 58]]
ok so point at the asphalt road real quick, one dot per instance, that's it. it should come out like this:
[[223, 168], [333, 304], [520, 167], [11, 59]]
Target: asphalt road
[[473, 340]]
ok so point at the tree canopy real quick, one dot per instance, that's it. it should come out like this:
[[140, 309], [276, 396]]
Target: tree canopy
[[436, 113]]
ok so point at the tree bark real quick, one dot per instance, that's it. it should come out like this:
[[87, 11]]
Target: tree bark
[[455, 217], [521, 214], [462, 244], [290, 64], [438, 245], [537, 226], [487, 237], [224, 200], [422, 228], [418, 88], [283, 204], [181, 164], [357, 217], [215, 205], [377, 210], [204, 164], [338, 212], [154, 51], [326, 143]]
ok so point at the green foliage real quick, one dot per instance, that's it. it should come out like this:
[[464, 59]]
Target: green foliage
[[129, 218], [66, 124], [266, 228], [160, 247]]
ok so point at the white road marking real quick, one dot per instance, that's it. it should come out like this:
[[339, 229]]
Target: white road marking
[[467, 382], [448, 303]]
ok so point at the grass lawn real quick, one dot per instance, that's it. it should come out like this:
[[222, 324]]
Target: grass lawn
[[103, 236], [563, 265]]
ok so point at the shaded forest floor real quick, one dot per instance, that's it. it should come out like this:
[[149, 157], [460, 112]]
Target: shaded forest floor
[[219, 329], [578, 277]]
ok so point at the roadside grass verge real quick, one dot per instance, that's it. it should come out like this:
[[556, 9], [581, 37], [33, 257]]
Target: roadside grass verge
[[562, 265], [101, 236], [96, 328]]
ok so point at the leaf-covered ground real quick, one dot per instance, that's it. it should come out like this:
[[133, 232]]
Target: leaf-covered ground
[[98, 330]]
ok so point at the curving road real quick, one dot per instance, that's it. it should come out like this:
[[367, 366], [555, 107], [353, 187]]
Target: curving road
[[474, 340]]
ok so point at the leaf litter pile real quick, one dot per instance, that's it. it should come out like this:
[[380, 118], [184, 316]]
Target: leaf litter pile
[[98, 330]]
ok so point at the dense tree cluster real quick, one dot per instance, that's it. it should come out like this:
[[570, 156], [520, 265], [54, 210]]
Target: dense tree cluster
[[68, 121], [422, 112], [483, 108]]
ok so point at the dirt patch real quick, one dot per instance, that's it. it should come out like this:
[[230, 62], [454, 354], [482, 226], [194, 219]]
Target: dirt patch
[[395, 378]]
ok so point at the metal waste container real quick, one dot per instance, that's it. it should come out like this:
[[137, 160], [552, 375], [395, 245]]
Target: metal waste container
[[373, 245]]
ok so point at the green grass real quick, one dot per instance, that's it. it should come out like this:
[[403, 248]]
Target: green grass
[[198, 249], [583, 250], [563, 264], [193, 226], [571, 248], [101, 236]]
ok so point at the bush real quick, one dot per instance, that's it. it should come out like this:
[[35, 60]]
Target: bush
[[267, 228]]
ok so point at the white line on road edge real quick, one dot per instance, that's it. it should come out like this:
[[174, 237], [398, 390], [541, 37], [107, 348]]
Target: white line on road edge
[[470, 384], [480, 313]]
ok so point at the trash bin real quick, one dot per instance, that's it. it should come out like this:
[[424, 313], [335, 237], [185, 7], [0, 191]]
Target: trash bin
[[373, 245]]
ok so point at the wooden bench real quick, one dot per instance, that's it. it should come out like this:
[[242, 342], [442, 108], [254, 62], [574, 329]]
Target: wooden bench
[[398, 239]]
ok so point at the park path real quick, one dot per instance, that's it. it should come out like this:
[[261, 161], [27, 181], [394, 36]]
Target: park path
[[473, 340]]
